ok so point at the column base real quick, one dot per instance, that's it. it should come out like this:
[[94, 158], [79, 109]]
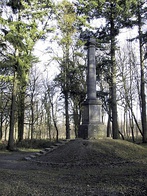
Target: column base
[[92, 131]]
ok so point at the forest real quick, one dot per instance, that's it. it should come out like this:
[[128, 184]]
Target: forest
[[41, 94]]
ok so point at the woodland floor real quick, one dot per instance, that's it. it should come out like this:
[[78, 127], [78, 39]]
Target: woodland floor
[[101, 167]]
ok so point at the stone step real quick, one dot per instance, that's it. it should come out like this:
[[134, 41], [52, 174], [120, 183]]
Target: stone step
[[38, 154], [32, 156], [43, 152], [47, 150], [27, 158]]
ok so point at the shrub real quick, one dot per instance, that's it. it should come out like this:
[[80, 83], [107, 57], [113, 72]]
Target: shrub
[[36, 144]]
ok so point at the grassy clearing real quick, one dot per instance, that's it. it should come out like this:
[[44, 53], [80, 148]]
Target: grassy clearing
[[110, 178]]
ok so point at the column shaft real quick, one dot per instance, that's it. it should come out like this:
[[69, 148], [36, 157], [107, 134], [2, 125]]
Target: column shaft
[[91, 76]]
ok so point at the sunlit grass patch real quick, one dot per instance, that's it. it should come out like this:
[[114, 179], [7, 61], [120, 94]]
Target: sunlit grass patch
[[120, 148], [29, 149]]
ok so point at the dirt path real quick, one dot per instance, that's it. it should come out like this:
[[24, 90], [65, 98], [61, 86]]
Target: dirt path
[[14, 160]]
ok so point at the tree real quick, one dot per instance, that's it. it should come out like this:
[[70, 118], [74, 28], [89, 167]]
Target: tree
[[50, 94], [10, 145], [66, 20], [33, 95], [5, 88], [140, 17], [77, 89], [128, 93], [116, 15], [21, 31], [141, 10], [47, 106]]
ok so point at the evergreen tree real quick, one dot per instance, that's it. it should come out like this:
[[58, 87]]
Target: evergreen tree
[[116, 15], [142, 37], [66, 22], [27, 22]]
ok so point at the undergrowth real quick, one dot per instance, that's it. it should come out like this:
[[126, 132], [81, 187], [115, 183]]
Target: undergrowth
[[29, 144], [34, 143]]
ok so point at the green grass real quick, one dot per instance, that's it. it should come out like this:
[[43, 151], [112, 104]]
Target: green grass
[[29, 149], [124, 150]]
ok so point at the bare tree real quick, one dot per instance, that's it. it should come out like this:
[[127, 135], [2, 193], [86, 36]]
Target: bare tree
[[128, 77]]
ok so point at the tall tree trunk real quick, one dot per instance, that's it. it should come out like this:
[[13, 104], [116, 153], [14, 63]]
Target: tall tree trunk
[[48, 120], [109, 133], [66, 89], [67, 116], [1, 116], [76, 117], [142, 84], [1, 129], [124, 121], [54, 120], [132, 126], [10, 145], [6, 130], [32, 120], [1, 125], [53, 116], [108, 127], [21, 110], [115, 132], [48, 113]]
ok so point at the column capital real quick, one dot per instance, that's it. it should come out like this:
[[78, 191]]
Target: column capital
[[91, 42]]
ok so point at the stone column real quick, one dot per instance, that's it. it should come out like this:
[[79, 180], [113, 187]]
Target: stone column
[[91, 127], [91, 76]]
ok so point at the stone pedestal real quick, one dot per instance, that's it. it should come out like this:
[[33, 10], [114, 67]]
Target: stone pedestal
[[91, 127]]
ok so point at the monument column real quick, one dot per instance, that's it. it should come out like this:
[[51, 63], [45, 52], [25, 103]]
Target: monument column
[[91, 127], [91, 76]]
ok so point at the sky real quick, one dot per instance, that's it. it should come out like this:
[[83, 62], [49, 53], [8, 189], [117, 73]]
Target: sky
[[45, 58]]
